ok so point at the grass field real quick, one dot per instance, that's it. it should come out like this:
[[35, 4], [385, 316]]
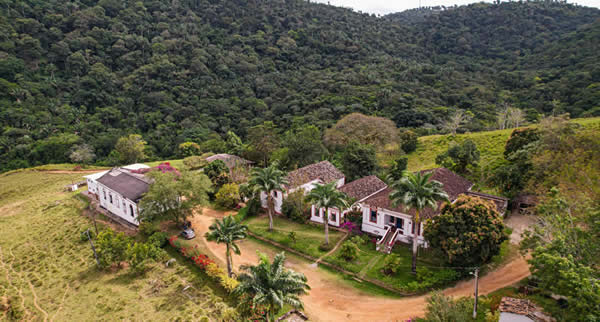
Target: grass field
[[490, 145], [48, 273], [308, 237]]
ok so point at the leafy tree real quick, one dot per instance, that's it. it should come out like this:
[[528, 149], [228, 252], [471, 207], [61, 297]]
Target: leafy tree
[[519, 138], [173, 197], [295, 206], [139, 255], [368, 130], [397, 169], [417, 191], [111, 248], [263, 140], [218, 173], [442, 308], [228, 196], [459, 156], [131, 148], [564, 253], [409, 141], [235, 145], [327, 196], [267, 181], [358, 161], [82, 153], [468, 231], [302, 146], [227, 231], [272, 285], [348, 251], [187, 149]]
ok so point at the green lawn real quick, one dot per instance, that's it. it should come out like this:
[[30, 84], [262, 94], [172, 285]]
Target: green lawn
[[46, 271], [308, 237], [370, 264], [178, 164]]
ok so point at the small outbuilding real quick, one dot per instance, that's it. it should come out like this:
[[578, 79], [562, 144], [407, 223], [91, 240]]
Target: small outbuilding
[[521, 310]]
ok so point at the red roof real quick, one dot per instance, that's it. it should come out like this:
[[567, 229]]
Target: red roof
[[453, 184]]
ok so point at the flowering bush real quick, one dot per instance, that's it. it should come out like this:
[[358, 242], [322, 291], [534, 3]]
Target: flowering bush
[[351, 227], [203, 262]]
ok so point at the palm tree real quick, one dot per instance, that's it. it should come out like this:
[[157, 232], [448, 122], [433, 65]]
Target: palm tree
[[327, 196], [272, 285], [267, 180], [418, 192], [227, 231]]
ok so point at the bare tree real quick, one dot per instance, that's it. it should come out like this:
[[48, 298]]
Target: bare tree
[[456, 120], [516, 117], [502, 117]]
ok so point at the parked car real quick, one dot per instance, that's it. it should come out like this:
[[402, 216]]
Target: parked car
[[188, 233]]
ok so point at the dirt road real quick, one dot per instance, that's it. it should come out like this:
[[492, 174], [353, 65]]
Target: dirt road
[[331, 300]]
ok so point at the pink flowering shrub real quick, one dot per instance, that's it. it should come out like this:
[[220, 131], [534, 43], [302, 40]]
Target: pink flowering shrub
[[163, 167]]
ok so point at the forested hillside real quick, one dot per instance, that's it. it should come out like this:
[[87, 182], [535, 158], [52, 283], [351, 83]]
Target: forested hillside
[[190, 70]]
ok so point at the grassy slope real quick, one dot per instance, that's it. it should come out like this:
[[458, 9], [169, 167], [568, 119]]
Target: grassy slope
[[47, 271], [490, 145]]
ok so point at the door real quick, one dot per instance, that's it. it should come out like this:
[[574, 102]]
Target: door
[[399, 223]]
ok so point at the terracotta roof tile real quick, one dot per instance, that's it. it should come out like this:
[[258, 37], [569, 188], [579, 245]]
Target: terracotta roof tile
[[324, 171], [453, 184], [230, 160], [363, 187], [523, 307]]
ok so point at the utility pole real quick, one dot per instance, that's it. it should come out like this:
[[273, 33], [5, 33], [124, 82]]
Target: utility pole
[[93, 248], [476, 292]]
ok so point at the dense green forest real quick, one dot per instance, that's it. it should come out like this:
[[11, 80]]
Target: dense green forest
[[174, 71]]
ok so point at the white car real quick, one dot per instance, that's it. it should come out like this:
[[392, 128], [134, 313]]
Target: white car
[[188, 233]]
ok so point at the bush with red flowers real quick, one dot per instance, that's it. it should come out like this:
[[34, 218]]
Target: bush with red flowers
[[163, 167]]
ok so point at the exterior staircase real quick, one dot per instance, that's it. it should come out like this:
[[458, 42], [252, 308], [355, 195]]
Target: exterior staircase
[[388, 240]]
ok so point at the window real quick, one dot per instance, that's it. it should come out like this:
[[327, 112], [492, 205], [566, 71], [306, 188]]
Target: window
[[131, 210], [333, 216], [124, 206], [110, 196], [104, 194], [118, 202], [373, 216]]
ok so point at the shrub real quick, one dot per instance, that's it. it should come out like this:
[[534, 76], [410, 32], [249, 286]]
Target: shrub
[[254, 206], [138, 255], [218, 173], [358, 240], [295, 207], [228, 196], [348, 251], [428, 278], [111, 248], [195, 162], [354, 216], [325, 247], [148, 228], [83, 236], [292, 236], [158, 239], [444, 309], [391, 264], [228, 283]]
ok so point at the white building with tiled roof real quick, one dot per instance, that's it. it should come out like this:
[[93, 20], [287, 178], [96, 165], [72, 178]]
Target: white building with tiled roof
[[306, 178]]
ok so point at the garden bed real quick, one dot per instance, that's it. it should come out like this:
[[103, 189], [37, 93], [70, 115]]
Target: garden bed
[[308, 237]]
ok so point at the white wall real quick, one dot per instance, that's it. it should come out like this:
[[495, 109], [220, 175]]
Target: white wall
[[277, 198], [120, 205], [319, 216], [378, 228]]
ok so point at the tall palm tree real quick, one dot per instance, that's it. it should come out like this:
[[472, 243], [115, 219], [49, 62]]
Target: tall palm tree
[[327, 196], [418, 192], [267, 180], [272, 285], [227, 231]]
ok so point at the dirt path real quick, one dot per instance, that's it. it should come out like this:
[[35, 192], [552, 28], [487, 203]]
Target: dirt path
[[332, 300], [316, 263]]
